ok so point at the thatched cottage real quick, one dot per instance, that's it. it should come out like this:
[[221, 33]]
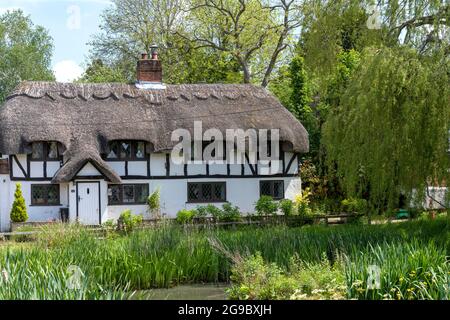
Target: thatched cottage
[[98, 149]]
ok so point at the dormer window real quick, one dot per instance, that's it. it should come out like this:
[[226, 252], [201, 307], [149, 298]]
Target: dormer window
[[45, 151], [126, 150]]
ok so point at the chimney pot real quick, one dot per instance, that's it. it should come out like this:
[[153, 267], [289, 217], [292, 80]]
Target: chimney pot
[[149, 70], [154, 49]]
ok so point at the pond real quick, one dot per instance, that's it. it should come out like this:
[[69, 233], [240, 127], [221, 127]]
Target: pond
[[185, 292]]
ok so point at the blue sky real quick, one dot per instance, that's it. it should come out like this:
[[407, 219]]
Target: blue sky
[[71, 23]]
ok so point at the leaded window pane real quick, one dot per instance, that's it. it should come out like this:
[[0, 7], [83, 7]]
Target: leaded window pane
[[114, 194], [278, 190], [274, 189], [193, 191], [265, 188], [114, 151], [141, 192], [219, 191], [45, 194], [125, 150], [53, 194], [128, 194], [37, 151], [140, 150], [52, 150], [37, 195], [207, 192]]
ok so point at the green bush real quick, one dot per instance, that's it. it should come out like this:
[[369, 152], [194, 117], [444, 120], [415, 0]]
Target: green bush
[[230, 213], [128, 221], [255, 279], [153, 203], [19, 209], [287, 207], [266, 206], [185, 216], [210, 210], [354, 205]]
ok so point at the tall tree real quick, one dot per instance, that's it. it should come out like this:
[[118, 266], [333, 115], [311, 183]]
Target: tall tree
[[390, 131], [254, 32], [130, 27], [25, 51]]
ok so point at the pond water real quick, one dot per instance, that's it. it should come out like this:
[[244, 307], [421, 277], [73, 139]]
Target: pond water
[[185, 292]]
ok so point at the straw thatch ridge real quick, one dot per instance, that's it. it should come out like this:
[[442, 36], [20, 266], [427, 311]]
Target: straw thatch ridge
[[85, 117]]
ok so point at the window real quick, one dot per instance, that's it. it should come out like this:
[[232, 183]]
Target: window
[[45, 195], [207, 192], [45, 151], [273, 188], [126, 150], [119, 194]]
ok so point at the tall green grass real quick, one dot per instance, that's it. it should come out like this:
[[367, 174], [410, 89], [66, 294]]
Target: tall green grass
[[171, 255]]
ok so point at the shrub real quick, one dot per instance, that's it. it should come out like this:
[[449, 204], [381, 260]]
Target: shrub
[[255, 279], [185, 216], [302, 203], [209, 210], [287, 207], [19, 209], [230, 213], [353, 205], [128, 221], [266, 206], [153, 203]]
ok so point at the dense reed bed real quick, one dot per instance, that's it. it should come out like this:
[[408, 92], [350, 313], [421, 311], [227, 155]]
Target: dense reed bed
[[114, 267]]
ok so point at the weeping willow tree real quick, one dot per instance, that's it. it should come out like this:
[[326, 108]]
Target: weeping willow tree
[[389, 135]]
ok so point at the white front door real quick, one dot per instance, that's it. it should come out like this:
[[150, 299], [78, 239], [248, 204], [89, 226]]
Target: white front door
[[88, 206]]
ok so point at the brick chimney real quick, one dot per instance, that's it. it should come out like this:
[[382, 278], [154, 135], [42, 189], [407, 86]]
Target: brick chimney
[[149, 71]]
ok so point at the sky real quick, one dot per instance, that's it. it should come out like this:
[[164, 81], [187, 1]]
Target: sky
[[71, 24]]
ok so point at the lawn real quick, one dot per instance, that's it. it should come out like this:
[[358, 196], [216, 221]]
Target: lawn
[[412, 258]]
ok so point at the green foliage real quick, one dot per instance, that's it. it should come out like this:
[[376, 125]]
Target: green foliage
[[408, 271], [354, 205], [154, 203], [255, 279], [19, 208], [98, 72], [287, 207], [128, 221], [266, 206], [230, 213], [168, 255], [391, 130], [25, 52], [185, 216]]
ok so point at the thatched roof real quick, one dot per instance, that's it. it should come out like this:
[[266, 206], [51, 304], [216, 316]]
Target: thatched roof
[[84, 117]]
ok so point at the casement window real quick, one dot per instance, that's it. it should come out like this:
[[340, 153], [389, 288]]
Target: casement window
[[122, 194], [126, 150], [45, 151], [206, 192], [273, 188], [45, 195]]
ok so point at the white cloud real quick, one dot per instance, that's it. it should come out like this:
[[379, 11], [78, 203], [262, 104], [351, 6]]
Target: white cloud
[[67, 71]]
